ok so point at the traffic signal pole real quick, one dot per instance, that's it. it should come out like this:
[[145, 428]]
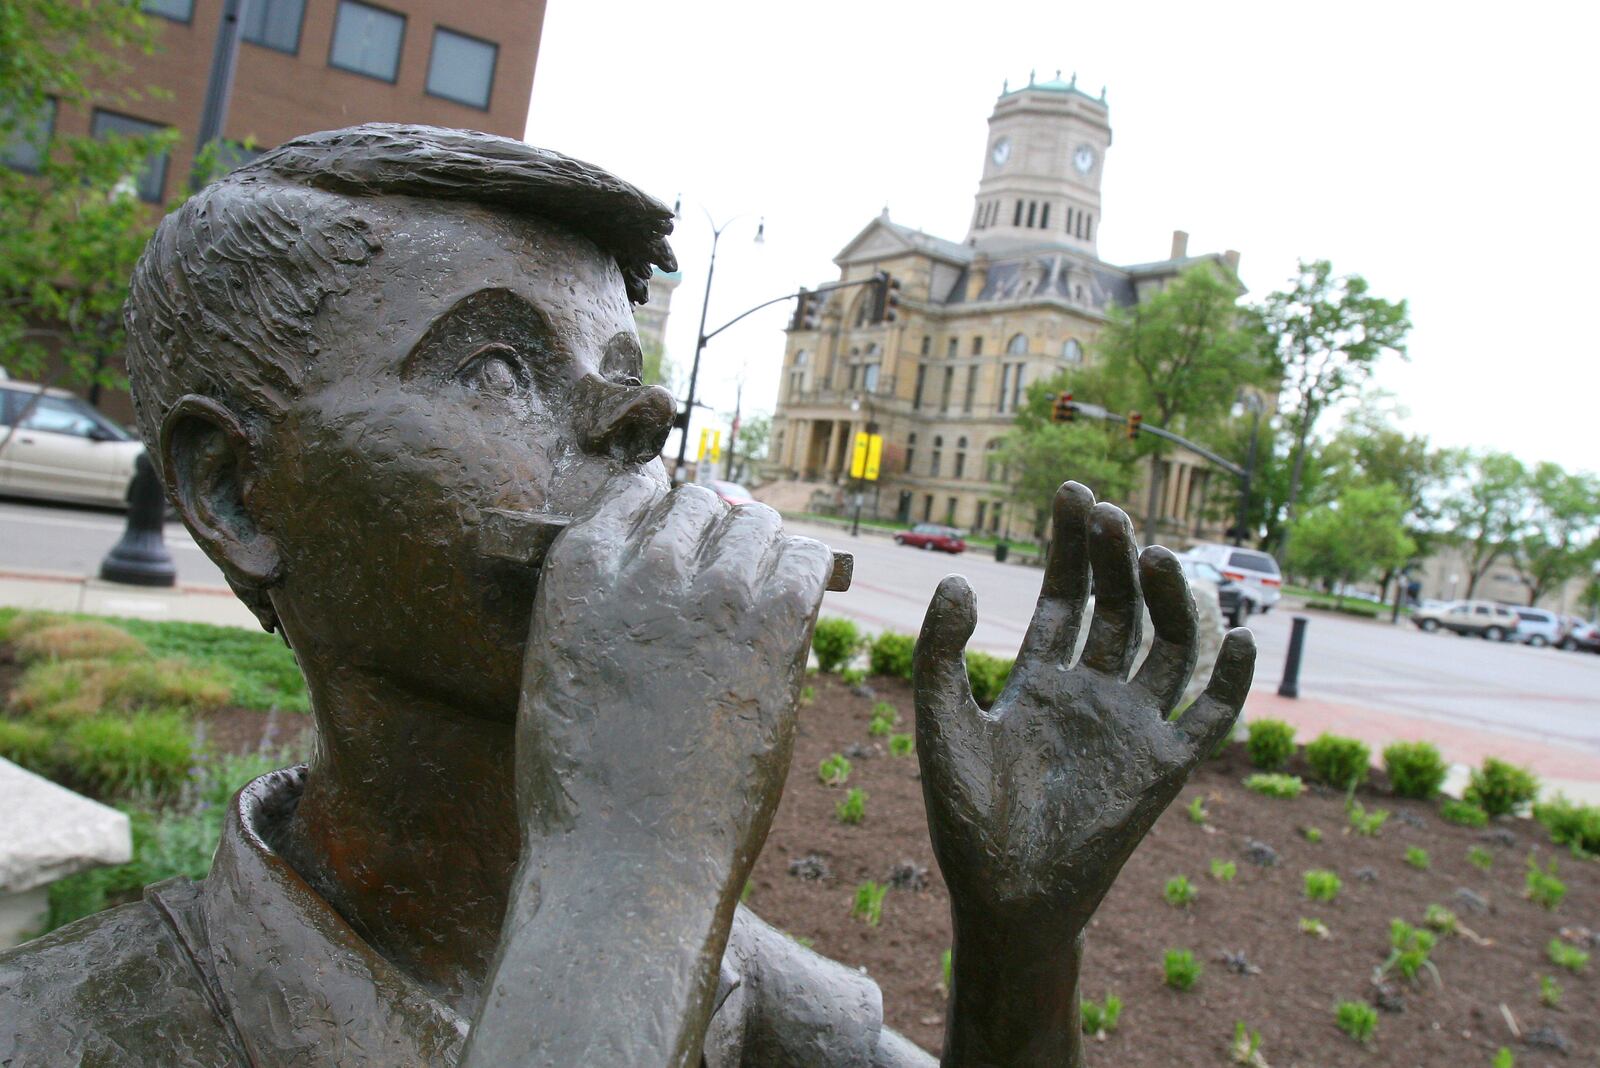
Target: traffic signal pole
[[1137, 426]]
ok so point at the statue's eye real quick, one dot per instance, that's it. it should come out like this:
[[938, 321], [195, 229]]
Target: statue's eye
[[494, 368]]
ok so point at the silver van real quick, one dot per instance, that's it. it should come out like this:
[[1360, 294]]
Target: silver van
[[1256, 572]]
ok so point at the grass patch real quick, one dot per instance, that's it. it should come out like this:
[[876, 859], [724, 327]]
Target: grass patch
[[75, 639], [258, 668], [1275, 785], [147, 751]]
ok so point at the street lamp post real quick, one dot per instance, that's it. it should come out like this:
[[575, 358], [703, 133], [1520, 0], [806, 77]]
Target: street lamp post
[[1250, 402], [700, 335]]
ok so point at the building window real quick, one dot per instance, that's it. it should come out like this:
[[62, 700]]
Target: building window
[[149, 182], [366, 40], [231, 155], [981, 506], [927, 344], [1018, 345], [950, 349], [1088, 228], [25, 149], [1070, 213], [977, 346], [950, 512], [1005, 382], [1016, 219], [274, 24], [1016, 386], [972, 388], [855, 369], [801, 358], [927, 507], [994, 518], [1033, 208], [944, 395], [938, 453], [176, 10], [991, 461], [961, 457], [461, 68], [1044, 224], [870, 378], [922, 379], [1071, 351], [911, 450]]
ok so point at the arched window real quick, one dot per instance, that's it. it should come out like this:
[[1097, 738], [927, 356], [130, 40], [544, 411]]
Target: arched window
[[1018, 345], [961, 457], [1071, 351]]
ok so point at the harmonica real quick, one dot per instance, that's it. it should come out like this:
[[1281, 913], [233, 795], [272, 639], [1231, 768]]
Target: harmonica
[[523, 537]]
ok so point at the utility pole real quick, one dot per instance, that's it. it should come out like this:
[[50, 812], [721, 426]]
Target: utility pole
[[219, 85]]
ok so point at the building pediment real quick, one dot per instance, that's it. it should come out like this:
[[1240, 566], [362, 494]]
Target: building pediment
[[882, 239]]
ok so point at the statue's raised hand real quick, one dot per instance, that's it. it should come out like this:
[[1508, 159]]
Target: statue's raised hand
[[1035, 805]]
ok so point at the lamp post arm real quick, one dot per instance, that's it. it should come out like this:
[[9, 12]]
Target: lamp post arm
[[780, 300]]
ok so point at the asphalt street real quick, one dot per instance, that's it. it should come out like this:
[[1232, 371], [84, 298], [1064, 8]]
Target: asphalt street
[[71, 540]]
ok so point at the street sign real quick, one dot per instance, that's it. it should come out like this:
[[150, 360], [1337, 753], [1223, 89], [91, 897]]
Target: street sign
[[704, 437], [716, 446], [866, 456]]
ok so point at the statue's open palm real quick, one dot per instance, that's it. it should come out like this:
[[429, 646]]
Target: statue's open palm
[[1035, 805]]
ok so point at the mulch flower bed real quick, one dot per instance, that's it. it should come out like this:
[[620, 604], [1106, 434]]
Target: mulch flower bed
[[1259, 967]]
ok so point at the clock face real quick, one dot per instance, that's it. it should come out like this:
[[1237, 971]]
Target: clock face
[[1083, 159], [1001, 151]]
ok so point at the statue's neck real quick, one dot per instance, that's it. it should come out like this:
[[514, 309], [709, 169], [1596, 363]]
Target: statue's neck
[[407, 827]]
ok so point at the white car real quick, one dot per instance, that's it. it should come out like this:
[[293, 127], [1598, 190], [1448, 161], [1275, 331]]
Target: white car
[[1256, 572], [1537, 627], [54, 446]]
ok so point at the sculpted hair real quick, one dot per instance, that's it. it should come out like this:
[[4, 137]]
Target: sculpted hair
[[222, 302]]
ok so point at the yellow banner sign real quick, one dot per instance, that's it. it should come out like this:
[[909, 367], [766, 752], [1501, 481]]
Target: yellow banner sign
[[866, 457]]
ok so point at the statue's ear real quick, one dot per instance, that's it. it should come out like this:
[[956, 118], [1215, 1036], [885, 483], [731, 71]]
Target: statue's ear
[[207, 455]]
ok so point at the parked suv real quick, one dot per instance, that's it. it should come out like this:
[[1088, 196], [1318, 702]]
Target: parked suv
[[1538, 628], [57, 447], [1482, 618], [1230, 598], [932, 536], [1581, 635], [1257, 573]]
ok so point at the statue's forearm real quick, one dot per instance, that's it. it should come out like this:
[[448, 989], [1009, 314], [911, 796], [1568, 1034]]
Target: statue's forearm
[[630, 930], [1014, 1000]]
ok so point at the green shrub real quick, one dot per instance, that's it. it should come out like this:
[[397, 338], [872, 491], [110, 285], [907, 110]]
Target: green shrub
[[1276, 785], [1549, 992], [868, 904], [1322, 885], [1367, 824], [834, 770], [147, 751], [1223, 871], [1100, 1019], [1480, 858], [1463, 813], [1415, 769], [1179, 892], [1499, 787], [1542, 887], [853, 809], [76, 640], [1570, 824], [1337, 761], [1270, 743], [1409, 949], [835, 641], [988, 674], [852, 676], [1357, 1019], [1564, 956], [902, 744], [891, 654], [884, 720], [27, 745], [1181, 969], [1418, 858]]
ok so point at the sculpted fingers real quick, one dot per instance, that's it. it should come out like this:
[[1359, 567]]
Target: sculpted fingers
[[799, 575], [1167, 669], [1118, 606], [1053, 632], [947, 715], [597, 539], [1212, 716], [741, 548], [674, 535]]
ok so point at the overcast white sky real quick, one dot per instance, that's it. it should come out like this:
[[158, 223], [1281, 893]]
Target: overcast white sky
[[1446, 152]]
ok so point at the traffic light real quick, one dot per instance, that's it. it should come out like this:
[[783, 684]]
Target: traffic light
[[1065, 411], [1134, 419], [808, 311], [885, 297]]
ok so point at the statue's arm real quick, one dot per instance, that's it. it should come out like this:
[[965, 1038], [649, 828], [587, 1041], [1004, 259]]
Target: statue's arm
[[894, 1050]]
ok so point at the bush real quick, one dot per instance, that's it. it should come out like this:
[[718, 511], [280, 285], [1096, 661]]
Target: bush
[[834, 770], [1322, 885], [65, 691], [988, 675], [853, 809], [1367, 824], [1542, 887], [1181, 969], [1270, 743], [902, 744], [1357, 1019], [1464, 813], [147, 751], [27, 745], [1280, 786], [76, 640], [1418, 858], [1562, 955], [1415, 769], [1499, 787], [1223, 871], [834, 641], [891, 654], [884, 720], [1570, 824], [1100, 1019], [1340, 762]]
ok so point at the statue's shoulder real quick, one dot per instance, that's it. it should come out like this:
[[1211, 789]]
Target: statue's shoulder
[[118, 987]]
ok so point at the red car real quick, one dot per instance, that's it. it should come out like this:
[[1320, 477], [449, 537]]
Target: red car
[[932, 536]]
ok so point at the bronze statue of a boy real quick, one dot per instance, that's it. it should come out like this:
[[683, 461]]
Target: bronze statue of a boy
[[538, 787]]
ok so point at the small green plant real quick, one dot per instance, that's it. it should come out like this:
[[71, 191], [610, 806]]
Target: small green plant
[[1311, 834], [1440, 919], [902, 744], [1415, 769], [1409, 950], [808, 695], [1357, 1019], [1197, 811], [835, 770], [868, 904], [1098, 1018], [881, 727], [1322, 885], [1337, 761], [1564, 956], [1223, 871], [1542, 887], [1480, 858], [834, 641], [1504, 1059], [1463, 813], [988, 675], [1180, 892], [1570, 824], [1246, 1048], [852, 676], [885, 710], [1311, 926], [1549, 992], [1365, 823], [891, 654], [1181, 969], [1270, 743], [853, 809], [1499, 787], [1275, 785], [1418, 858]]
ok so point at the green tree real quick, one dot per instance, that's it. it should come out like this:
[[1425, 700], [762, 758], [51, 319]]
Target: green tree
[[1180, 358], [70, 226], [1038, 455], [1558, 543], [1486, 509], [1328, 332], [1348, 539], [750, 445]]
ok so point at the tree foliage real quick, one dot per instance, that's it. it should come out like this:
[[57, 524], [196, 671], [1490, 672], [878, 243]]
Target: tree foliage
[[1038, 455], [1486, 508], [1348, 539], [1559, 540]]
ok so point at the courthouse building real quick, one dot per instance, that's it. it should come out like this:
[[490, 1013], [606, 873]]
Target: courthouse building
[[1023, 296]]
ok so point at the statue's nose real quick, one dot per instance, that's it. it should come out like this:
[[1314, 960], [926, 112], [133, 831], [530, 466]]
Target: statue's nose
[[621, 421]]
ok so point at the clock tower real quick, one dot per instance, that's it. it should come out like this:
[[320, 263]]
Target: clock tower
[[1041, 168]]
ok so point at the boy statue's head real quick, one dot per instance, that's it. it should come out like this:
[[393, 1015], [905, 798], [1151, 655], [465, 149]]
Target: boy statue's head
[[346, 351]]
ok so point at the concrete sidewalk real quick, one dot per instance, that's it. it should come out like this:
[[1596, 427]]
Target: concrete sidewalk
[[58, 592]]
